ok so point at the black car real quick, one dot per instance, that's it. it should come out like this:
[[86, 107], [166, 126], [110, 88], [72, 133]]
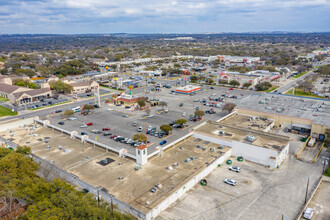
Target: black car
[[211, 87], [61, 123], [181, 104], [58, 111], [83, 133]]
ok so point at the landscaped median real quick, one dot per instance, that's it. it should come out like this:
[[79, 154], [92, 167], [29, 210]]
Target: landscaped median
[[300, 74], [299, 92], [41, 107], [6, 111], [272, 88]]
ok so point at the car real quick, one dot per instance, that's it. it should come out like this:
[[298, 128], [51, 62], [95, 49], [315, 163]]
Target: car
[[211, 87], [124, 115], [118, 104], [130, 141], [83, 133], [139, 129], [183, 114], [56, 111], [119, 138], [150, 116], [72, 119], [153, 190], [50, 102], [61, 123], [96, 106], [110, 109], [113, 136], [106, 129], [166, 110], [230, 182], [197, 108], [156, 134], [196, 100], [83, 126], [181, 104], [275, 90], [163, 142], [96, 131], [127, 106], [106, 133], [234, 168], [308, 213], [89, 124]]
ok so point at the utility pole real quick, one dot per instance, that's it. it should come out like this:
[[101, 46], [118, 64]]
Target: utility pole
[[98, 197], [306, 191]]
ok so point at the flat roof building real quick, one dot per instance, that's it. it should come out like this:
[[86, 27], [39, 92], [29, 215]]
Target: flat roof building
[[188, 89]]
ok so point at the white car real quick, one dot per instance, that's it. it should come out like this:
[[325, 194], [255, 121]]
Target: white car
[[72, 119], [233, 168], [83, 126], [230, 182], [150, 116], [139, 129], [308, 214], [110, 109], [183, 114]]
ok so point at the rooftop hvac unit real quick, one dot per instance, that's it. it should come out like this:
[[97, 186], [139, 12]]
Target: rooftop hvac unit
[[267, 99], [222, 132], [250, 138], [269, 108], [262, 102]]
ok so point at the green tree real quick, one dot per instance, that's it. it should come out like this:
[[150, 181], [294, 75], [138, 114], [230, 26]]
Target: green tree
[[247, 85], [210, 81], [68, 113], [88, 107], [60, 86], [263, 86], [199, 113], [140, 138], [166, 128], [193, 78], [327, 139], [234, 83], [33, 85], [21, 84], [141, 103], [23, 150], [181, 121], [223, 81], [229, 107]]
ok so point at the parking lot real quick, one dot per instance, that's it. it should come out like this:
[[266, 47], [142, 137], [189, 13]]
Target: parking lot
[[259, 193], [43, 103], [110, 116]]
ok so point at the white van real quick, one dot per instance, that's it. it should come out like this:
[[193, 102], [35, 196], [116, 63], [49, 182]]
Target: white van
[[76, 109]]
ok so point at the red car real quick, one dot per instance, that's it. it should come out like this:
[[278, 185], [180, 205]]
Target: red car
[[89, 124], [106, 129], [113, 136], [231, 89]]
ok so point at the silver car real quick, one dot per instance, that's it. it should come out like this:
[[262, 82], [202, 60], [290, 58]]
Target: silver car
[[233, 168], [230, 182]]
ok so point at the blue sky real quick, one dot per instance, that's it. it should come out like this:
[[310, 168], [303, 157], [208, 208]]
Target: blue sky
[[162, 16]]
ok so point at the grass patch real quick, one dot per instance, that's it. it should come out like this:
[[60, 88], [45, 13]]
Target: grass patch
[[112, 88], [2, 99], [6, 111], [300, 74], [41, 107], [299, 92], [272, 89], [327, 173]]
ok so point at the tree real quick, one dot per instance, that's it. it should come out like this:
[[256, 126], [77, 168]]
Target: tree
[[324, 70], [181, 121], [223, 81], [88, 107], [327, 139], [234, 83], [193, 78], [22, 84], [60, 86], [166, 128], [33, 85], [141, 103], [140, 138], [68, 113], [229, 107], [148, 110], [210, 81], [306, 85], [247, 85], [23, 150], [263, 86], [199, 113], [162, 104]]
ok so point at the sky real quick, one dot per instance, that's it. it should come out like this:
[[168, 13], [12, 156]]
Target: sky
[[162, 16]]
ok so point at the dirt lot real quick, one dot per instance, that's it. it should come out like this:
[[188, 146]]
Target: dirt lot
[[259, 193]]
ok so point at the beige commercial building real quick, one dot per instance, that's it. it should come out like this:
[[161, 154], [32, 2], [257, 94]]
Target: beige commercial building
[[83, 86], [304, 115]]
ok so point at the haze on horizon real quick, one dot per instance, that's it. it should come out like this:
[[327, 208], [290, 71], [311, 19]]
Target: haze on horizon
[[162, 16]]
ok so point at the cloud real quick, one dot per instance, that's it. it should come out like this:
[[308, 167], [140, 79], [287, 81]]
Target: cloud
[[37, 16]]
